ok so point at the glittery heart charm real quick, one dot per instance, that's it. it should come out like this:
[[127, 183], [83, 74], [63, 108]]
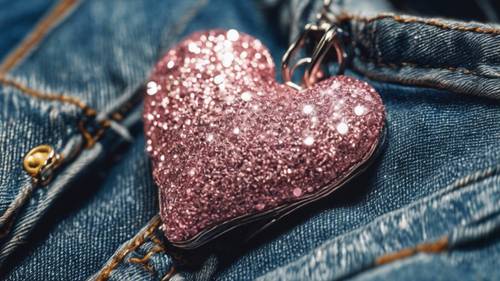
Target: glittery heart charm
[[230, 145]]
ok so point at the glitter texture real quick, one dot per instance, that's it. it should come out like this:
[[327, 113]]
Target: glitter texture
[[228, 142]]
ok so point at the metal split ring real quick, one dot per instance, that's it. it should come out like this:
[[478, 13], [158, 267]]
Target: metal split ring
[[329, 39]]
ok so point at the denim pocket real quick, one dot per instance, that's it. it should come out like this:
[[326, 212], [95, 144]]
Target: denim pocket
[[461, 57]]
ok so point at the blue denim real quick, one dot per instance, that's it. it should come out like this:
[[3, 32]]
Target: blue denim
[[17, 20], [427, 209]]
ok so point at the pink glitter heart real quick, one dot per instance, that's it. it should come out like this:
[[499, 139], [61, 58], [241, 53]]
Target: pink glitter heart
[[229, 144]]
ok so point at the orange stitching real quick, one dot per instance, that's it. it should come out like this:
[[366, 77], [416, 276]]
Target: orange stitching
[[144, 261], [134, 244], [48, 96], [438, 23], [407, 19], [342, 18], [435, 247], [90, 139], [41, 29], [409, 64], [87, 111], [59, 11], [157, 242]]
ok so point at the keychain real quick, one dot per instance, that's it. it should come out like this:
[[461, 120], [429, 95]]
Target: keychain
[[230, 145]]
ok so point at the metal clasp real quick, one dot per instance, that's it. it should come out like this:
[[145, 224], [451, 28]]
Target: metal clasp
[[331, 36]]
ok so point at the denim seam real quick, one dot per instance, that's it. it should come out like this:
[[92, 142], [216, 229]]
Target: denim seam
[[8, 217], [407, 19], [70, 151], [461, 70], [433, 22], [441, 244], [87, 111], [437, 246], [24, 223], [144, 260], [39, 32], [437, 23], [9, 82], [134, 244]]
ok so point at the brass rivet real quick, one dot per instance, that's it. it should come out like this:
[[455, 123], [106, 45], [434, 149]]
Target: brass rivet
[[40, 158]]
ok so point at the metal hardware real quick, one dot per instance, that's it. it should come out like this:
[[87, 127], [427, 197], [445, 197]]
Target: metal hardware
[[330, 37], [40, 163]]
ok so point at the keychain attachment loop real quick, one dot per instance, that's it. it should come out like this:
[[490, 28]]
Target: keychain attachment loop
[[287, 70], [331, 37]]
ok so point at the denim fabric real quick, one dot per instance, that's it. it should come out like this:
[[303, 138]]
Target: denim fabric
[[393, 48], [91, 220], [77, 61], [445, 212], [17, 20], [427, 208]]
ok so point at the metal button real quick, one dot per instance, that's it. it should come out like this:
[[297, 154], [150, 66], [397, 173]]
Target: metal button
[[40, 162]]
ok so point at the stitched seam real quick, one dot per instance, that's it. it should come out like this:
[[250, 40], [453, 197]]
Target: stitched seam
[[40, 31], [461, 70], [8, 217], [38, 34], [345, 17], [134, 244], [438, 23], [431, 22], [47, 96], [145, 260], [476, 177], [90, 138], [428, 248]]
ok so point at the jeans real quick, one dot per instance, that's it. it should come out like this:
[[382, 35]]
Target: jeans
[[426, 209]]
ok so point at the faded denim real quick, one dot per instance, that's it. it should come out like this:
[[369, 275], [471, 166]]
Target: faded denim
[[426, 210]]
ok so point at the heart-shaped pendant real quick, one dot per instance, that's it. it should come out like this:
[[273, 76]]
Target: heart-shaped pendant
[[230, 145]]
